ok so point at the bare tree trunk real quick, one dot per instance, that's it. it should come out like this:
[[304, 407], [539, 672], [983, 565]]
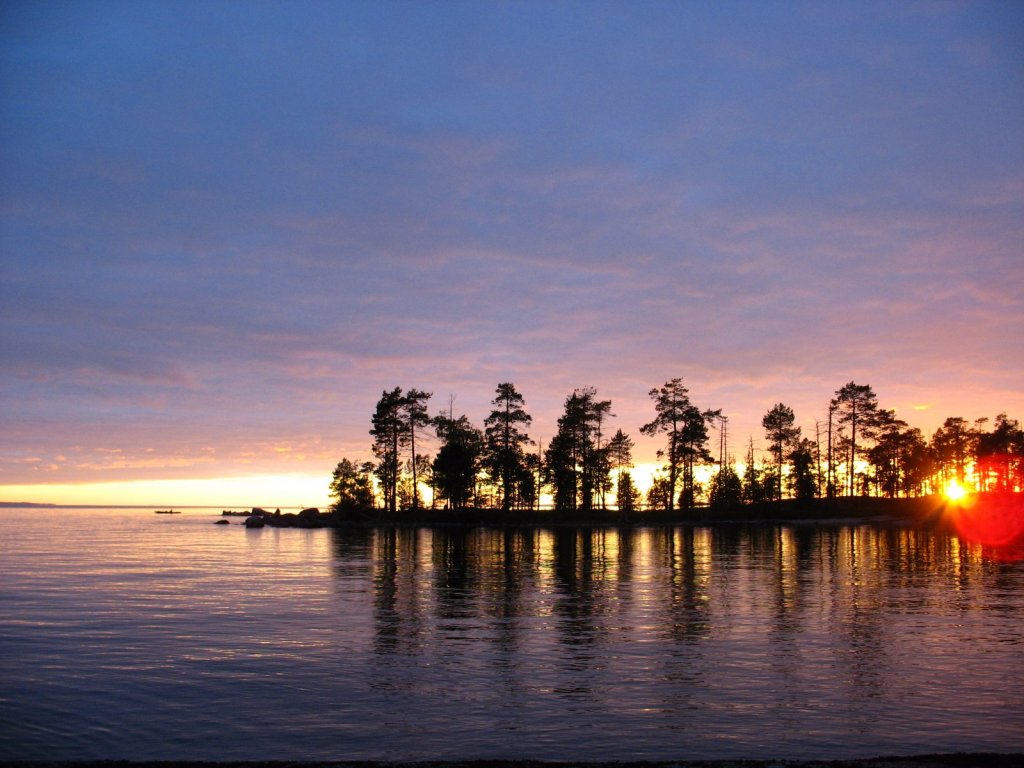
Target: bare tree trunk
[[817, 451], [853, 447], [830, 489], [412, 448]]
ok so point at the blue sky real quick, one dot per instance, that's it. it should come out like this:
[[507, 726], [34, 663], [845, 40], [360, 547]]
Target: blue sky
[[225, 228]]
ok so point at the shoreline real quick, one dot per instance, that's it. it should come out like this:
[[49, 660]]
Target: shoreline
[[924, 511], [942, 760]]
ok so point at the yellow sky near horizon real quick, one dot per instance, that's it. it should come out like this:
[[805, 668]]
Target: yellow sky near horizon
[[270, 491], [287, 490]]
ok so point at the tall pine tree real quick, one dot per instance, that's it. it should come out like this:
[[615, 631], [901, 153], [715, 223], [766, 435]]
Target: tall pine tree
[[506, 438]]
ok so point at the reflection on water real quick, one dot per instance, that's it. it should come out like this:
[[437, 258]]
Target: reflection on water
[[852, 639], [411, 644]]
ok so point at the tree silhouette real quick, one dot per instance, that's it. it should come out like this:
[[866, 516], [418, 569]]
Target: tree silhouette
[[576, 465], [900, 456], [627, 495], [390, 436], [506, 439], [833, 428], [414, 413], [620, 456], [600, 462], [659, 495], [803, 480], [527, 484], [953, 445], [857, 406], [620, 451], [560, 467], [756, 487], [578, 462], [674, 410], [781, 433], [351, 487], [565, 454], [695, 450], [458, 460], [726, 489], [885, 456], [1000, 455]]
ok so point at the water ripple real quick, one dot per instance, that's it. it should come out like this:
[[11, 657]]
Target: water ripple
[[122, 637]]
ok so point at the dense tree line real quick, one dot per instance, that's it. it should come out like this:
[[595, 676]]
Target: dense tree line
[[860, 449]]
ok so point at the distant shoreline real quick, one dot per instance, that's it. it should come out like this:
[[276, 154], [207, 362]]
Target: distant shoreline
[[46, 505], [915, 512], [951, 760], [869, 508], [929, 512]]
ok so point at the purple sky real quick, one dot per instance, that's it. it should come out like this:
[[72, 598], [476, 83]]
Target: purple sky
[[225, 228]]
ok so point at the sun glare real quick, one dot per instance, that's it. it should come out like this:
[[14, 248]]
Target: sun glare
[[954, 491]]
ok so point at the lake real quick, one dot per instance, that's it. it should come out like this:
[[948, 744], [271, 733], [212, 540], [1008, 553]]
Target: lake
[[129, 635]]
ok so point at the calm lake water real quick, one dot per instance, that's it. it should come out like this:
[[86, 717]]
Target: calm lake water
[[129, 635]]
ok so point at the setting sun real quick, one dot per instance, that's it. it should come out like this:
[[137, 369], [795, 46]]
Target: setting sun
[[954, 491]]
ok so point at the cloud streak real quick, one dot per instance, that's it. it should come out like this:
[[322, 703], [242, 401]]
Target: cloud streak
[[224, 235]]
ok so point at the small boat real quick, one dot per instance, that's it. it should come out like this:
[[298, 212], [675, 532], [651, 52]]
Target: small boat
[[168, 511]]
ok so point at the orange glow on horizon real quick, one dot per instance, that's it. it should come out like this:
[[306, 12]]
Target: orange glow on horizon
[[270, 491]]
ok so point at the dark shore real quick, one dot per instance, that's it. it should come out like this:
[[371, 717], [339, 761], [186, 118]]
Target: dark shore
[[921, 511], [959, 760]]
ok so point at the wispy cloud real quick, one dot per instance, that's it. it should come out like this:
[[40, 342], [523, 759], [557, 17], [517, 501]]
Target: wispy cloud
[[216, 260]]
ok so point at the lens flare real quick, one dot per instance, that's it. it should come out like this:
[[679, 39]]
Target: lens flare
[[993, 520]]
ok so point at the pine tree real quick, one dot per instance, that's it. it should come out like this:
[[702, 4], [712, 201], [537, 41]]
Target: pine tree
[[627, 496], [857, 406], [726, 489], [390, 436], [802, 482], [458, 460], [414, 414], [953, 444], [576, 464], [672, 406], [780, 431], [506, 439], [351, 487]]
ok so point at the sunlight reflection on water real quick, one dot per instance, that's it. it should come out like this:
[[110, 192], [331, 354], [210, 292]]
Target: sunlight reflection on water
[[124, 636]]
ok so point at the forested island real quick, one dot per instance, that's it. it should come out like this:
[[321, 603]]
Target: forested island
[[863, 460]]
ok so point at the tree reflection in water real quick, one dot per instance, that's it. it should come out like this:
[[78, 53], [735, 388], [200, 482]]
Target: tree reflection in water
[[681, 628]]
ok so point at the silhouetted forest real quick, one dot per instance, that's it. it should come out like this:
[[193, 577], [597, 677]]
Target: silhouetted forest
[[858, 449]]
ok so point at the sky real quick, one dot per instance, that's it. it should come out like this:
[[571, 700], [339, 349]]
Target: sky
[[227, 227]]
